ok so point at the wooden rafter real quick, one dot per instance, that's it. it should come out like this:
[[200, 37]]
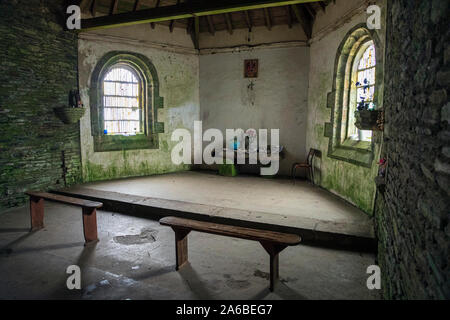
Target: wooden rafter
[[229, 23], [211, 27], [310, 10], [172, 22], [158, 2], [93, 8], [267, 18], [303, 19], [113, 7], [248, 19], [85, 5], [289, 16], [182, 11], [322, 5], [136, 5]]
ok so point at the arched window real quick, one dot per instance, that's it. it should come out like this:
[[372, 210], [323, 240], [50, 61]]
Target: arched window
[[122, 101], [363, 89], [357, 85]]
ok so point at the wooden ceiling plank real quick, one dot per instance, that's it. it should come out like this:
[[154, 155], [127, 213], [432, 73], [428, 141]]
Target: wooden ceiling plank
[[182, 11]]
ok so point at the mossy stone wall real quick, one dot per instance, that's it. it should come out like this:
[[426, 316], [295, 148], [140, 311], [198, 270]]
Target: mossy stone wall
[[38, 69]]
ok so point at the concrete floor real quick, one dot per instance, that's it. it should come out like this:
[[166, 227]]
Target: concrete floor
[[272, 201], [135, 260]]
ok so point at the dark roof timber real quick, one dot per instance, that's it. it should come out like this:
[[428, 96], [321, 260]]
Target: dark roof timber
[[188, 9]]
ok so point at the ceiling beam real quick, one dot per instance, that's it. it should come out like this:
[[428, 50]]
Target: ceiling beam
[[303, 19], [211, 27], [158, 2], [229, 24], [248, 19], [183, 10], [267, 18]]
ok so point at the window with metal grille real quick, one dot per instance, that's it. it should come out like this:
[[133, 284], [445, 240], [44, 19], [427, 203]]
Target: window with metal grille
[[122, 103]]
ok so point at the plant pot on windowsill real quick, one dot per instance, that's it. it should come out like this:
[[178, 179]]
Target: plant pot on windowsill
[[367, 119], [69, 115]]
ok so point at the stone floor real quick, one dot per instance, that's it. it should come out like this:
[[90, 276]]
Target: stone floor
[[135, 260], [274, 201]]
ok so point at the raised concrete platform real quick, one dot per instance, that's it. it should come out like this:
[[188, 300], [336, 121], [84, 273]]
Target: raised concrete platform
[[317, 216]]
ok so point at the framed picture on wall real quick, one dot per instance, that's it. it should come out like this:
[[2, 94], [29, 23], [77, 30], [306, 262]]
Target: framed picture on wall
[[251, 68]]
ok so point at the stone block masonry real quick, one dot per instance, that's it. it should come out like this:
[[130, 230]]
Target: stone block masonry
[[413, 214], [38, 69]]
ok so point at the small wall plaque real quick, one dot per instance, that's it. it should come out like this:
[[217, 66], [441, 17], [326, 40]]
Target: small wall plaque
[[251, 68]]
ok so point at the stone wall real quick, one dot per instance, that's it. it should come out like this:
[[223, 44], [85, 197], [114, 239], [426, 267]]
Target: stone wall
[[38, 69], [413, 213]]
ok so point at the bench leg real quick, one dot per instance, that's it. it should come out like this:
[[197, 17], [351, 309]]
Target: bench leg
[[90, 225], [181, 246], [273, 250], [36, 213]]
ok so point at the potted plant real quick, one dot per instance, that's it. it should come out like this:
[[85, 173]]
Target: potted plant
[[73, 112], [366, 115]]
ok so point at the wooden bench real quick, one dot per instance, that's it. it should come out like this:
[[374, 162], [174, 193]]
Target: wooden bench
[[272, 242], [89, 209]]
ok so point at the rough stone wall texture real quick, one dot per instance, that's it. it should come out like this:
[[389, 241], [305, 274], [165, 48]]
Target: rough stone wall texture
[[413, 214], [38, 69]]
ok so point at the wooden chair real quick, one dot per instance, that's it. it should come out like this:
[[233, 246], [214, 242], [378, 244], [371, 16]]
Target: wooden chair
[[308, 164]]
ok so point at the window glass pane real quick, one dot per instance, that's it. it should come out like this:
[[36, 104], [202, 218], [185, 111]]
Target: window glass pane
[[121, 114], [368, 58], [121, 104], [366, 95], [368, 74]]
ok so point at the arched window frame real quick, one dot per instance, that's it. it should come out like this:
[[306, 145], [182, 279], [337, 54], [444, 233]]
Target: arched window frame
[[340, 146], [151, 102]]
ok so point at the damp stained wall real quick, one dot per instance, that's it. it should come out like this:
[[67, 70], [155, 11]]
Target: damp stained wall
[[276, 99], [177, 65], [352, 182]]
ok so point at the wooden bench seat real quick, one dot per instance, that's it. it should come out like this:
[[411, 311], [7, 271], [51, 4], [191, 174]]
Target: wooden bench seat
[[272, 242], [89, 210]]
